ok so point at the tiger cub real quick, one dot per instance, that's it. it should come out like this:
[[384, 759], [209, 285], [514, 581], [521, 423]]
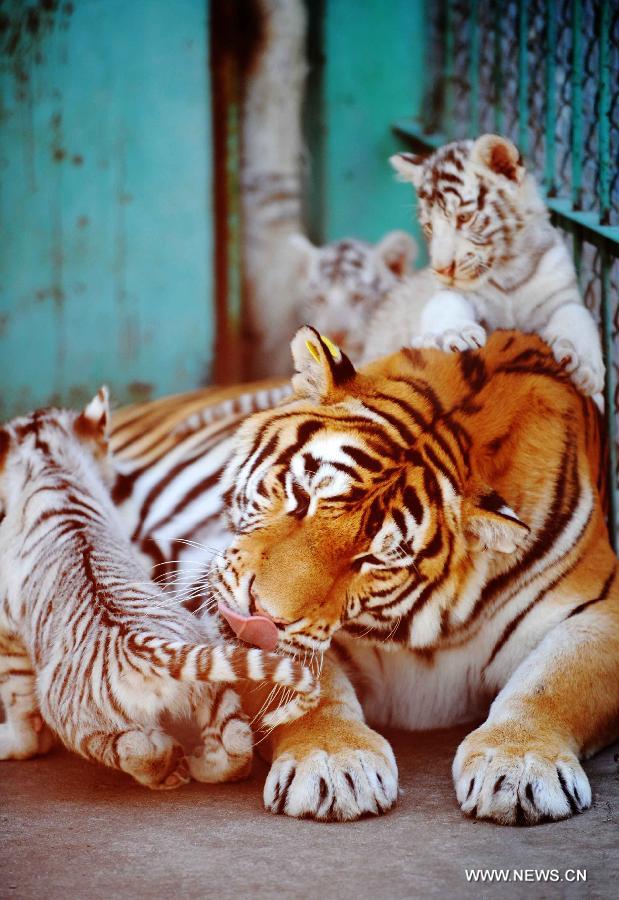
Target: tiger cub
[[343, 284], [498, 258], [89, 646]]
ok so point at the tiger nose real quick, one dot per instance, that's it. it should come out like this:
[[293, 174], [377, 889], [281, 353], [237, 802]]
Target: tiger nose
[[448, 271]]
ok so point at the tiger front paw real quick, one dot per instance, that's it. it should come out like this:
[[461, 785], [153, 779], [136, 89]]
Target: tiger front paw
[[513, 782], [334, 784], [470, 337]]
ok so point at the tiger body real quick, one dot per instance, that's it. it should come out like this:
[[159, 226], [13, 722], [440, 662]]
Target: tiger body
[[88, 644], [496, 262], [432, 526]]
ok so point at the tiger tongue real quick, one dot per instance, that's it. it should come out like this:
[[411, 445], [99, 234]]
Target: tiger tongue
[[256, 630]]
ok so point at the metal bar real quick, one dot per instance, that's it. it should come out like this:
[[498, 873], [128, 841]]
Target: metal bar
[[497, 68], [551, 99], [523, 78], [609, 391], [604, 112], [577, 104], [449, 94], [474, 68]]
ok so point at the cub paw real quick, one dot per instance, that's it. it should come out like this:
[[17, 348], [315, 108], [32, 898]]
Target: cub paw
[[518, 785], [585, 369], [333, 786], [471, 337], [224, 757]]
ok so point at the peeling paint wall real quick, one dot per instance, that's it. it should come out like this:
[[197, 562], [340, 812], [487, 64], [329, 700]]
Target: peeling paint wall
[[105, 200]]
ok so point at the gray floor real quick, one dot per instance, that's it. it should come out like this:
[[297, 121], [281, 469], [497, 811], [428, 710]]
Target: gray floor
[[72, 830]]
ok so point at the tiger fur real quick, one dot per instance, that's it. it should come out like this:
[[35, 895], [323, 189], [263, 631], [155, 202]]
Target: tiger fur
[[91, 648], [496, 262], [491, 577]]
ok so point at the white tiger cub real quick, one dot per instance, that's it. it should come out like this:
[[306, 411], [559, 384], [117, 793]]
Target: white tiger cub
[[92, 648], [492, 245], [343, 284]]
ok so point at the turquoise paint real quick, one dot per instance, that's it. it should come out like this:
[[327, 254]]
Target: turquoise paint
[[372, 75], [105, 204]]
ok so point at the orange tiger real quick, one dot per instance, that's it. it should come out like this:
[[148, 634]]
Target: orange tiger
[[431, 526]]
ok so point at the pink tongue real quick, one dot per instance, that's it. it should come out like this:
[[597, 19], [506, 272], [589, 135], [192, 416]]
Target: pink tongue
[[256, 630]]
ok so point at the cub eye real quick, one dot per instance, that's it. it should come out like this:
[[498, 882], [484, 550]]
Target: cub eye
[[463, 218]]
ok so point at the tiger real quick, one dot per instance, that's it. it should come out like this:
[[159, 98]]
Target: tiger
[[345, 282], [473, 484], [496, 262], [93, 652], [432, 528]]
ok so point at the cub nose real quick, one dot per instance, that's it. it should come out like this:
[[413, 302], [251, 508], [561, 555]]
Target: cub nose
[[448, 271]]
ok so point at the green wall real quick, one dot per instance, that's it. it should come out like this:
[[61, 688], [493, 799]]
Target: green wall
[[105, 199], [371, 74]]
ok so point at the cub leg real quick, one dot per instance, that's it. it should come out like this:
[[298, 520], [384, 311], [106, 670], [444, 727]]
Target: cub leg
[[448, 323], [226, 749], [149, 755], [24, 733], [328, 764], [521, 766]]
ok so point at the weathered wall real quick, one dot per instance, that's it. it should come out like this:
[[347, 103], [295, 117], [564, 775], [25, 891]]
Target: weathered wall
[[105, 199]]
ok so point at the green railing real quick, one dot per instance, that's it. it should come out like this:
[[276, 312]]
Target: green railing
[[546, 74]]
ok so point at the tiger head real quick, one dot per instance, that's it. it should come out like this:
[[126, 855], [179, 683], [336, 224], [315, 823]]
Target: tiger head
[[475, 200], [350, 510], [342, 283]]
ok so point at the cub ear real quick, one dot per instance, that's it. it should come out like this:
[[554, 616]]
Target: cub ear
[[490, 524], [92, 424], [305, 250], [409, 167], [397, 250], [321, 367], [5, 443], [500, 156]]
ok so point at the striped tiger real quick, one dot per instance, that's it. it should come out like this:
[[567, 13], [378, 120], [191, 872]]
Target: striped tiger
[[89, 646], [433, 527], [496, 262]]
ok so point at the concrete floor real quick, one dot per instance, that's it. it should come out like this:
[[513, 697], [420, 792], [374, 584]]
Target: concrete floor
[[69, 829]]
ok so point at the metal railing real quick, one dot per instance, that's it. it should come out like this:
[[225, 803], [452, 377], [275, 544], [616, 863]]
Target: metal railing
[[545, 73]]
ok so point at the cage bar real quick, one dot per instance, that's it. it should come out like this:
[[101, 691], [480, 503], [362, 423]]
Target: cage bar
[[603, 112], [523, 77], [551, 98], [577, 109]]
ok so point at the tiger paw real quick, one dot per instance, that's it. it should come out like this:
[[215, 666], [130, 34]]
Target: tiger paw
[[25, 739], [514, 783], [586, 369], [341, 785], [470, 337]]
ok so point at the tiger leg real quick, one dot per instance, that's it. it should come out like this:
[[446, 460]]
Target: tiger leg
[[23, 734], [149, 755], [561, 704], [329, 764], [226, 748]]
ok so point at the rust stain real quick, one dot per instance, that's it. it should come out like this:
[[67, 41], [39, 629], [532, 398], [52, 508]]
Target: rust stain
[[78, 159], [82, 221], [140, 390], [24, 28]]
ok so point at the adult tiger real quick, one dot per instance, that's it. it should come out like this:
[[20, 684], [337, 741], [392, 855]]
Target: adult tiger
[[433, 526]]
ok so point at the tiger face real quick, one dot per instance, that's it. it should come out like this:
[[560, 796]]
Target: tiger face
[[346, 514], [474, 201], [344, 282]]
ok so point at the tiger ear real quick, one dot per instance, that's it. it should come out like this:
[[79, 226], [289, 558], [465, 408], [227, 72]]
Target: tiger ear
[[92, 424], [490, 524], [397, 250], [500, 156], [321, 367], [409, 167]]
